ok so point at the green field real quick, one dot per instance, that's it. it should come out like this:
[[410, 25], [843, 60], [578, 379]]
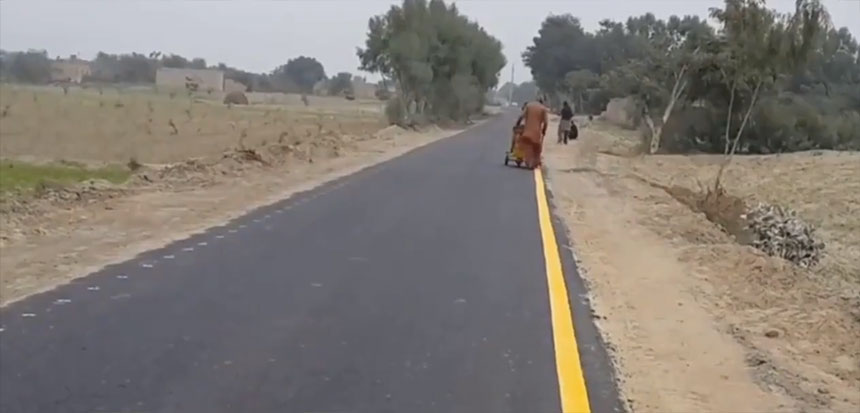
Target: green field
[[18, 176]]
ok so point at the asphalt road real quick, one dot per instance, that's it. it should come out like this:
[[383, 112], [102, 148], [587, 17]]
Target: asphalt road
[[417, 285]]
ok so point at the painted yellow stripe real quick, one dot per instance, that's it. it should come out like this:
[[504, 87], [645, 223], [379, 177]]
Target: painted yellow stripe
[[571, 381]]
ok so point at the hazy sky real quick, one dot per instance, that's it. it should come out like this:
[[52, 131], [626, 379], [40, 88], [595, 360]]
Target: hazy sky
[[260, 35]]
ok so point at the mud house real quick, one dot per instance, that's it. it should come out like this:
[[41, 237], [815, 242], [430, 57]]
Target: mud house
[[176, 78], [362, 89], [71, 70]]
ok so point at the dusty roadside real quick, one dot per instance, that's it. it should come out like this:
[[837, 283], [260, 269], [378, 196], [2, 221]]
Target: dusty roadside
[[50, 242], [696, 321]]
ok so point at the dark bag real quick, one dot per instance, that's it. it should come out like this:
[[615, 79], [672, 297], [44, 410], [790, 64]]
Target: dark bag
[[573, 133]]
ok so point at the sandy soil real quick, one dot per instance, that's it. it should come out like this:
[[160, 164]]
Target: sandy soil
[[696, 321], [42, 124], [71, 232]]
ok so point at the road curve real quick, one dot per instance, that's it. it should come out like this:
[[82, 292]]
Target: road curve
[[416, 285]]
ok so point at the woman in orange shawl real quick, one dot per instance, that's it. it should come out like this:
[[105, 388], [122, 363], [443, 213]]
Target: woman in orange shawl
[[536, 119]]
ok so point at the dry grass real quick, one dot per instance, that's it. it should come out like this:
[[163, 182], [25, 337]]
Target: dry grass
[[191, 163], [822, 186], [800, 327], [43, 124]]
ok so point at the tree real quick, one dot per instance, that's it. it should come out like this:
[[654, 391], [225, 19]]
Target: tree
[[562, 46], [766, 82], [526, 92], [301, 74], [578, 83], [197, 63], [506, 91], [137, 68], [757, 46], [658, 75], [32, 66], [174, 61], [340, 83], [441, 62]]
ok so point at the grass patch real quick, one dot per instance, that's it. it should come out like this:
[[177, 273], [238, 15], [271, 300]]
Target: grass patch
[[19, 176]]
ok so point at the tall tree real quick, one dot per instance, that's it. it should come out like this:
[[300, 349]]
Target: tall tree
[[174, 61], [578, 83], [658, 76], [441, 62], [340, 83], [32, 66], [756, 46], [301, 72], [562, 46]]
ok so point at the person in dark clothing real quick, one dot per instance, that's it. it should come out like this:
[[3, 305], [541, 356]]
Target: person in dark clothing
[[564, 124]]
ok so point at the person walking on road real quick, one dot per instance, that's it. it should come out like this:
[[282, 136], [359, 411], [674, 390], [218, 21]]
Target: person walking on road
[[564, 124], [536, 118]]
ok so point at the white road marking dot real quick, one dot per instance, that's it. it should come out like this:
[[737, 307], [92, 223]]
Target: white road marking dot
[[267, 216], [243, 226], [2, 329], [232, 231], [62, 301], [256, 220], [122, 277], [219, 236], [188, 249], [202, 243], [280, 211], [28, 315], [316, 285], [93, 288], [146, 265], [169, 257]]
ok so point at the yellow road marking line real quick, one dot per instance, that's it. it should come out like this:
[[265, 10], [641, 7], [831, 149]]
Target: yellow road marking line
[[571, 380]]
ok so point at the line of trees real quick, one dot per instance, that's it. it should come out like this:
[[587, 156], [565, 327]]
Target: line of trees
[[298, 75], [441, 62], [760, 82], [521, 93]]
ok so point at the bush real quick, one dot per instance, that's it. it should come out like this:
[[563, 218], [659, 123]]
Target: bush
[[785, 123], [848, 131], [235, 98]]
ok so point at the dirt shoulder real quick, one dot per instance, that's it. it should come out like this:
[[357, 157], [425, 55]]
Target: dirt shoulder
[[68, 233], [696, 321]]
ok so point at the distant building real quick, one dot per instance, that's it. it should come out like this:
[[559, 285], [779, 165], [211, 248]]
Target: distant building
[[362, 89], [72, 70], [231, 85], [206, 79]]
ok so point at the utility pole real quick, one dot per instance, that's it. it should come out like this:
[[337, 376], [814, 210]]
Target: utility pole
[[513, 85]]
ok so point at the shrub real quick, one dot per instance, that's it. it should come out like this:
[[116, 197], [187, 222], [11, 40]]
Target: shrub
[[236, 98]]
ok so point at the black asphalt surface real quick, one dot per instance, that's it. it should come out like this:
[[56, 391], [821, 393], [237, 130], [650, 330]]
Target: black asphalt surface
[[417, 285]]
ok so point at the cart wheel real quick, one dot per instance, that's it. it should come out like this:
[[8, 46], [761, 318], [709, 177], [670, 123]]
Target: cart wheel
[[519, 163], [506, 160]]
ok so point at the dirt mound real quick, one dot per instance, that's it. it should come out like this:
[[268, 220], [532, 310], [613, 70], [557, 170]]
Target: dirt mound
[[727, 211], [23, 214], [390, 132], [235, 98]]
